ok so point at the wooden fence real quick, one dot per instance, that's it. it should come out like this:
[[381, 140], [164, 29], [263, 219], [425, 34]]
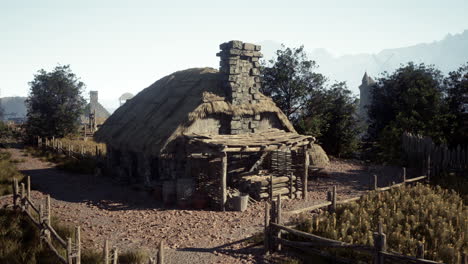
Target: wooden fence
[[39, 212], [423, 152], [69, 150], [274, 230]]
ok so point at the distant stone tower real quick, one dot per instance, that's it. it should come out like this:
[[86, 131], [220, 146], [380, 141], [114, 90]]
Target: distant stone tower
[[365, 95]]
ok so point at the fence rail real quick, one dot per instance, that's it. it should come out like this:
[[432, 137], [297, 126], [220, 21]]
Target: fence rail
[[274, 230], [39, 212]]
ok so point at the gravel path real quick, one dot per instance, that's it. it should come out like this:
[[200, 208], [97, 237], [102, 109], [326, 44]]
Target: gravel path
[[129, 218]]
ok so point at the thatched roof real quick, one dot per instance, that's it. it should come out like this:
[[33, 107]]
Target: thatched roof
[[165, 110]]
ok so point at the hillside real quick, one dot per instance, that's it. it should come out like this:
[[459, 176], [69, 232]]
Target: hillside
[[13, 106]]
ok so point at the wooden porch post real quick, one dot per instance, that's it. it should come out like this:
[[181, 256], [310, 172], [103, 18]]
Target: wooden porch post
[[305, 175], [223, 180]]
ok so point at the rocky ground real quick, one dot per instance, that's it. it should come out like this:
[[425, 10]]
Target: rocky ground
[[130, 218]]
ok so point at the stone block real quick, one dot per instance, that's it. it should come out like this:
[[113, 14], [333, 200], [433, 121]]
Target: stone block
[[249, 46], [232, 61], [234, 70], [252, 124], [253, 59], [236, 118], [254, 72], [256, 96], [258, 47], [256, 64], [236, 44], [257, 54], [247, 53], [234, 52], [257, 79], [233, 78], [257, 117], [236, 124]]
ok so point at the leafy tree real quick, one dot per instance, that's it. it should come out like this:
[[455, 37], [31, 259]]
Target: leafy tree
[[332, 118], [410, 99], [456, 85], [328, 113], [55, 103], [290, 80]]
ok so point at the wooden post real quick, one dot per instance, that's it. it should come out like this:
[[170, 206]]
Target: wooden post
[[161, 253], [115, 257], [404, 175], [15, 193], [78, 244], [223, 180], [420, 251], [270, 189], [278, 220], [266, 232], [333, 205], [47, 217], [69, 150], [23, 194], [305, 175], [291, 186], [69, 251], [28, 191], [330, 199], [106, 252], [375, 182], [380, 244]]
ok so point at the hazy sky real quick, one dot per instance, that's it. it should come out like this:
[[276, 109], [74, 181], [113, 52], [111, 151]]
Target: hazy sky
[[124, 46]]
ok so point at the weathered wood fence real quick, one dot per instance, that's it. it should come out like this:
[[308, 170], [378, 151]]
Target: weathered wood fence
[[274, 232], [39, 212], [69, 150], [423, 152]]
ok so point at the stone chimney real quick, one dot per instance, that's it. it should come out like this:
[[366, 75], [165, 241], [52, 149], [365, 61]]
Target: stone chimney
[[93, 97], [239, 62]]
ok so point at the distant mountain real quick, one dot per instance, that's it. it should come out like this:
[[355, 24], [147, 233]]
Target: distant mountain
[[13, 107], [447, 55]]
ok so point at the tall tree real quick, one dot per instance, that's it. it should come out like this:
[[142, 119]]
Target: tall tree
[[408, 100], [290, 79], [456, 85], [55, 103], [332, 118]]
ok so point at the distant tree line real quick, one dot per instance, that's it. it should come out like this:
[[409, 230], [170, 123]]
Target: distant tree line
[[414, 98]]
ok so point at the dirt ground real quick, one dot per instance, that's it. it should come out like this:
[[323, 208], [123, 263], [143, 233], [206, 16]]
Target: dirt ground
[[130, 218]]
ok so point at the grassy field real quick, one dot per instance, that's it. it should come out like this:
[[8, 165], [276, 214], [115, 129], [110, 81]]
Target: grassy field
[[434, 216]]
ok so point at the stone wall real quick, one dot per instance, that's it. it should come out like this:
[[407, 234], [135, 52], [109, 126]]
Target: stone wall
[[241, 66]]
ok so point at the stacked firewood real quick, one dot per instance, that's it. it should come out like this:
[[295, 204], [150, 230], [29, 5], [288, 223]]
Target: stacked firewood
[[259, 187]]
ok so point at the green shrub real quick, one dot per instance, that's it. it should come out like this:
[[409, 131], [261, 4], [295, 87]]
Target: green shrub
[[8, 172]]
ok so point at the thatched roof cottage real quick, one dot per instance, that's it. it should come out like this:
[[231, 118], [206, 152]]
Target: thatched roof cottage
[[201, 130]]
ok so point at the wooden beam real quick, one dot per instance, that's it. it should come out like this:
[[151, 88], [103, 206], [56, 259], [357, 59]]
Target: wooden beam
[[223, 180], [305, 175]]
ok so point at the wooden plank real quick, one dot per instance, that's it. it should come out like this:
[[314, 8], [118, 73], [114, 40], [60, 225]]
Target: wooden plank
[[415, 179], [62, 242], [408, 258], [323, 240], [305, 174], [52, 248], [320, 244], [223, 180], [310, 208]]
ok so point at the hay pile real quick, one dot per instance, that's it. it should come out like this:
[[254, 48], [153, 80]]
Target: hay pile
[[318, 157]]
